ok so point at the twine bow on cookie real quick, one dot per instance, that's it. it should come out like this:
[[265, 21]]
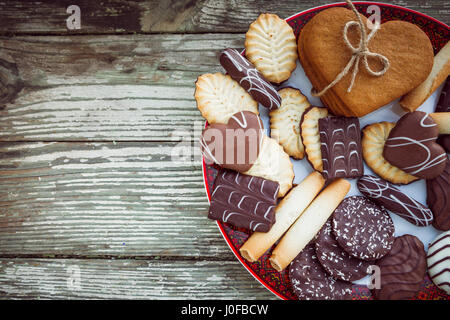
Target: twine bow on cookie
[[362, 51]]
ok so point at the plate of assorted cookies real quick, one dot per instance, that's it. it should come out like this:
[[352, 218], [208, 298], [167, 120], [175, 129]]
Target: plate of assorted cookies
[[325, 152]]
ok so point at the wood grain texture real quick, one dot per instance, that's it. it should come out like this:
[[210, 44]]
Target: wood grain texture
[[153, 16], [104, 88], [126, 279], [127, 199]]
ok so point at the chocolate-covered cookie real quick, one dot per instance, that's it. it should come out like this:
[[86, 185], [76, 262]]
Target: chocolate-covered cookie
[[443, 105], [245, 73], [438, 261], [335, 260], [438, 199], [402, 270], [411, 146], [362, 228], [244, 201], [311, 282], [235, 145], [341, 149], [385, 194]]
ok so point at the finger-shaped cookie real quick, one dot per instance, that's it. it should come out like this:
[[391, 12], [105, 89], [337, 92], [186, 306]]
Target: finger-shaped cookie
[[308, 224], [442, 119], [271, 46], [309, 130], [374, 138], [438, 74], [273, 164], [284, 121], [287, 211], [218, 97]]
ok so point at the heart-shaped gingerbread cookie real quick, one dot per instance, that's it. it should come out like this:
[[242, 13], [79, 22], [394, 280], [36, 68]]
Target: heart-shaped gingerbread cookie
[[235, 145], [324, 54], [412, 146]]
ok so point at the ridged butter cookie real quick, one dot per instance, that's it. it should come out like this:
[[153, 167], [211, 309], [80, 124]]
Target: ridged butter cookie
[[309, 130], [374, 138], [284, 121], [218, 97], [270, 44]]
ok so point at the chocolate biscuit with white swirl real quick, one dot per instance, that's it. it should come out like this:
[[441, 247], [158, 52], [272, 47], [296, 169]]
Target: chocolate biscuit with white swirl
[[438, 199], [245, 73], [438, 261], [411, 146], [341, 149], [402, 269], [244, 201], [385, 194]]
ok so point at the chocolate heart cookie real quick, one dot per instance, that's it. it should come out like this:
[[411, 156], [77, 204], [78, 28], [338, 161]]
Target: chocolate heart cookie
[[235, 145], [411, 146]]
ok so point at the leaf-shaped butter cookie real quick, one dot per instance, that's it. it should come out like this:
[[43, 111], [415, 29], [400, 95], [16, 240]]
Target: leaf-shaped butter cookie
[[218, 97], [271, 46]]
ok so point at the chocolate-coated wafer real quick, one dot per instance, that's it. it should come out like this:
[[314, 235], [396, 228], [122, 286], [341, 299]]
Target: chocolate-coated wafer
[[385, 194], [340, 139], [244, 201], [245, 73]]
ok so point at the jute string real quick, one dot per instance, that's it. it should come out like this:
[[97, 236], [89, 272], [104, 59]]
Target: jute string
[[358, 53]]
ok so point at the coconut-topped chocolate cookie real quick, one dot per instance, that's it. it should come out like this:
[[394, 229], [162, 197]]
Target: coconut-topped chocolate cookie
[[335, 260], [311, 282], [363, 229]]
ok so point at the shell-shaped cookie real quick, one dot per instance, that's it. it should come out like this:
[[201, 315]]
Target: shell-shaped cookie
[[374, 138], [284, 121], [438, 261], [270, 44], [273, 164], [309, 126], [218, 97]]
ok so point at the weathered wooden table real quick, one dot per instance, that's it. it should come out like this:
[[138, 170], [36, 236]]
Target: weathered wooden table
[[92, 203]]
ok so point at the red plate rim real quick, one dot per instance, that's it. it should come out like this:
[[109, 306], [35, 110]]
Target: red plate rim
[[208, 194]]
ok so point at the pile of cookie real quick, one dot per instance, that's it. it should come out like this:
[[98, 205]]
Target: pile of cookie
[[325, 238]]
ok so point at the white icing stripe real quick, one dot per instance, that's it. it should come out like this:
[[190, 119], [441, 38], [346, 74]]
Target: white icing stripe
[[255, 82], [424, 165], [381, 187]]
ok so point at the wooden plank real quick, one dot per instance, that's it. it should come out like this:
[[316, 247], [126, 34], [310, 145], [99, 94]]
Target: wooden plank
[[124, 199], [87, 88], [127, 279], [112, 16]]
